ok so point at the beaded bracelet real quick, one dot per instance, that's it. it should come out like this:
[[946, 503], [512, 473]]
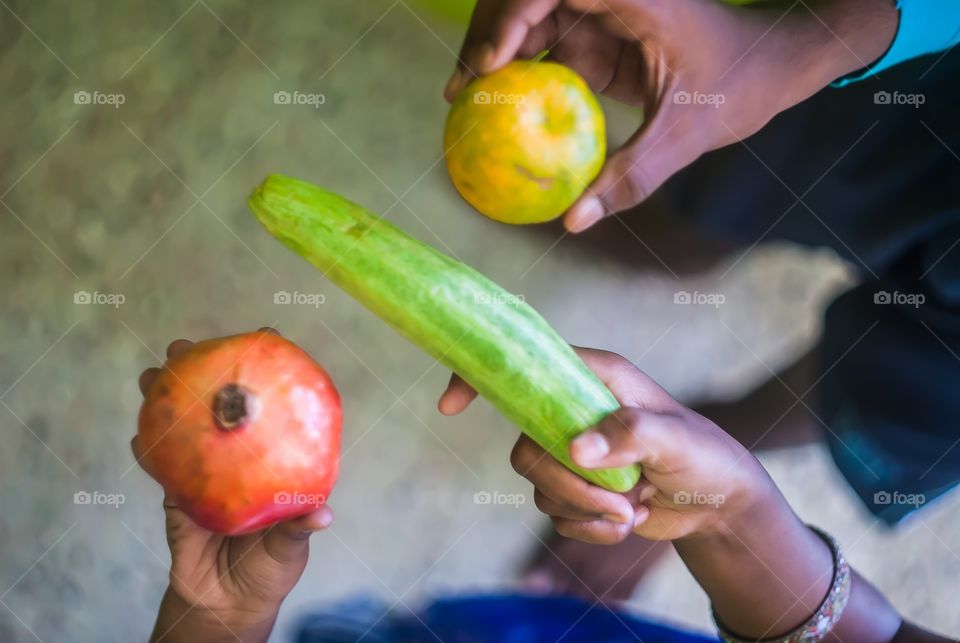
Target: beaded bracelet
[[827, 615]]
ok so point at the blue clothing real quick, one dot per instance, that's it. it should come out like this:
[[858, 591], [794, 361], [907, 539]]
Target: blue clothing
[[511, 618], [926, 27]]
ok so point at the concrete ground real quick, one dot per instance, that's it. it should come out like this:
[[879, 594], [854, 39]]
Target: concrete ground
[[146, 201]]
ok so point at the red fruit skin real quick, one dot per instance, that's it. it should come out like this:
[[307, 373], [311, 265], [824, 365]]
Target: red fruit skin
[[281, 462]]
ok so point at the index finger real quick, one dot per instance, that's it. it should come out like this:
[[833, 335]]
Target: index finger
[[554, 480]]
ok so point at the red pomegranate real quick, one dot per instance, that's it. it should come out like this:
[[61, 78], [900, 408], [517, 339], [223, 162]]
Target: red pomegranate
[[242, 432]]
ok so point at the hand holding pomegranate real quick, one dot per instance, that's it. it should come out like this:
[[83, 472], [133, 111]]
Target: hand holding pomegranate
[[231, 586]]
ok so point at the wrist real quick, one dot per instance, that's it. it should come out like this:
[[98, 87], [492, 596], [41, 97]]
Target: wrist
[[851, 34], [182, 620], [224, 605], [826, 41], [764, 557]]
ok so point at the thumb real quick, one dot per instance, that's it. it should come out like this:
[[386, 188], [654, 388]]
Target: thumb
[[288, 541], [634, 171], [627, 436]]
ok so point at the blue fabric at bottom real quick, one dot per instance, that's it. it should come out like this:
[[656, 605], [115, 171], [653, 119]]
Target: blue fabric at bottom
[[507, 618]]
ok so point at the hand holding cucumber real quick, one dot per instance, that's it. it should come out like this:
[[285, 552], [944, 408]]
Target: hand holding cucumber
[[695, 476]]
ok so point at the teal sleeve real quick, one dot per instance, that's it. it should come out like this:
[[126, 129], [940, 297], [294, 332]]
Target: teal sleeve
[[926, 27]]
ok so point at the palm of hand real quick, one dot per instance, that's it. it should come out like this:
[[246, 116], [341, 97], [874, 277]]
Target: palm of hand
[[227, 573]]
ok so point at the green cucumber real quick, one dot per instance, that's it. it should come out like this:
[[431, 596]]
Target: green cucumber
[[496, 342]]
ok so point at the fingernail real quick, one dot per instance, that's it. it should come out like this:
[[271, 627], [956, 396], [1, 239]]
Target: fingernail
[[453, 84], [584, 214], [620, 519], [591, 447]]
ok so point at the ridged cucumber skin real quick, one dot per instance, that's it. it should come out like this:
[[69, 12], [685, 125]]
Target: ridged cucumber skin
[[494, 340]]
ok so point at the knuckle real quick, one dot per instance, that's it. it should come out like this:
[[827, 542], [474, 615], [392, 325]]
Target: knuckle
[[576, 505], [639, 183], [624, 367], [615, 363], [669, 426], [626, 424], [617, 535]]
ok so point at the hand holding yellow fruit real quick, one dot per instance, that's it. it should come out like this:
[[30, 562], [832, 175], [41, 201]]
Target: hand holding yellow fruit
[[523, 143], [703, 74]]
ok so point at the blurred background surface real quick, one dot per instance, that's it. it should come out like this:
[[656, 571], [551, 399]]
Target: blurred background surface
[[134, 189]]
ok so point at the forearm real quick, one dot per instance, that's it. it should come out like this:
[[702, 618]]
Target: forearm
[[767, 573], [179, 622]]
